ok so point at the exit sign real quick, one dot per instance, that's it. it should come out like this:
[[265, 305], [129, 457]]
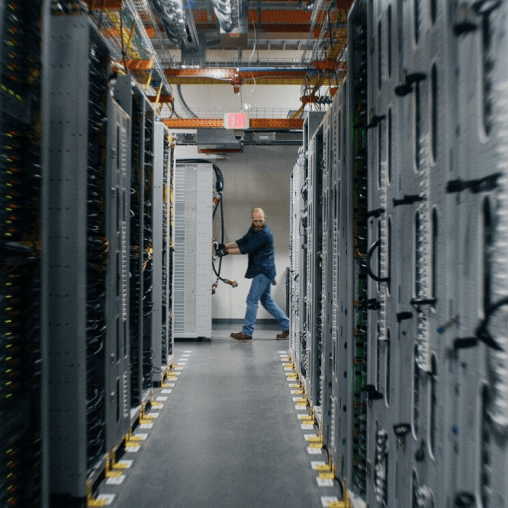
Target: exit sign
[[236, 121]]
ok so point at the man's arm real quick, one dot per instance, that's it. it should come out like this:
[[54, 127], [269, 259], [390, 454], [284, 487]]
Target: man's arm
[[232, 248], [252, 243]]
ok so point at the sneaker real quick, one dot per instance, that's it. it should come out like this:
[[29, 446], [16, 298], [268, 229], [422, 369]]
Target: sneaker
[[240, 336], [283, 335]]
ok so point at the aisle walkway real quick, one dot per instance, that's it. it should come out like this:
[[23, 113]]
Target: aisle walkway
[[227, 436]]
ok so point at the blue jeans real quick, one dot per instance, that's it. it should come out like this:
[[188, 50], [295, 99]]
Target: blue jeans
[[260, 291]]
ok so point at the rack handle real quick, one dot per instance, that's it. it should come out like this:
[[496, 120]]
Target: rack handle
[[369, 269]]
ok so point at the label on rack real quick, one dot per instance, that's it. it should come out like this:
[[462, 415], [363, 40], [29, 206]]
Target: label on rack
[[326, 500], [124, 464], [115, 481], [108, 498]]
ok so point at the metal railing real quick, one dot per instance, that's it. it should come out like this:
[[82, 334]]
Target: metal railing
[[233, 64], [253, 113]]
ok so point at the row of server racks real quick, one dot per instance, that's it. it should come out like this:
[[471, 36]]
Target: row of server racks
[[399, 257], [86, 222]]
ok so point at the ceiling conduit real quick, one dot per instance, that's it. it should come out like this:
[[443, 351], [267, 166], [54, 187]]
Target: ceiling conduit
[[183, 103], [224, 12], [178, 26]]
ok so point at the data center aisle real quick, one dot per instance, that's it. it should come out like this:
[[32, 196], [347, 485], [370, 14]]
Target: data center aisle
[[227, 436]]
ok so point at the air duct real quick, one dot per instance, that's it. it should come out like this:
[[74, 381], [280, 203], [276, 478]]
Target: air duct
[[178, 23], [233, 18]]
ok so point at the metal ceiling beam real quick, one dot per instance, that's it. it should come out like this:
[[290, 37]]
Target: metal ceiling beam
[[242, 73], [240, 76], [282, 16], [258, 81], [214, 123], [265, 5]]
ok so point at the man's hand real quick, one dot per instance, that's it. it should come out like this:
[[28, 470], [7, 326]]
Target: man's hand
[[218, 246], [221, 252]]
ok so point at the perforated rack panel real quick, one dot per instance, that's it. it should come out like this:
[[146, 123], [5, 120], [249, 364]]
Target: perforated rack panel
[[192, 275]]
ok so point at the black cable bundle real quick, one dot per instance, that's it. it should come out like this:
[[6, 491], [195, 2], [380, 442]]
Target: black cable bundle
[[360, 225], [165, 247], [218, 203], [170, 265], [135, 250], [147, 254], [97, 258], [20, 244]]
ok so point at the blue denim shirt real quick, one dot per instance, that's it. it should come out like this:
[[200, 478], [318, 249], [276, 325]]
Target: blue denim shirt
[[259, 246]]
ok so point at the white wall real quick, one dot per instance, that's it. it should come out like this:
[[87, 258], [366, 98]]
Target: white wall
[[258, 177]]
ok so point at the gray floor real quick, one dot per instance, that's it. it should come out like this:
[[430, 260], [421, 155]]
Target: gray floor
[[228, 435]]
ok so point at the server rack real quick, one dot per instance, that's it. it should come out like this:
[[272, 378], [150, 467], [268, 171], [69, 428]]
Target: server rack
[[161, 342], [335, 283], [357, 345], [315, 253], [192, 275], [301, 324], [117, 206], [85, 285], [342, 301], [148, 298], [23, 448], [297, 223], [137, 106], [414, 148]]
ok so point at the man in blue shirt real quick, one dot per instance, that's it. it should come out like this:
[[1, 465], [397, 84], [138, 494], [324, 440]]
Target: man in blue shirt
[[258, 244]]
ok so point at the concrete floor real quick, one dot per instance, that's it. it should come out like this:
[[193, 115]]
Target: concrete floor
[[228, 434]]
